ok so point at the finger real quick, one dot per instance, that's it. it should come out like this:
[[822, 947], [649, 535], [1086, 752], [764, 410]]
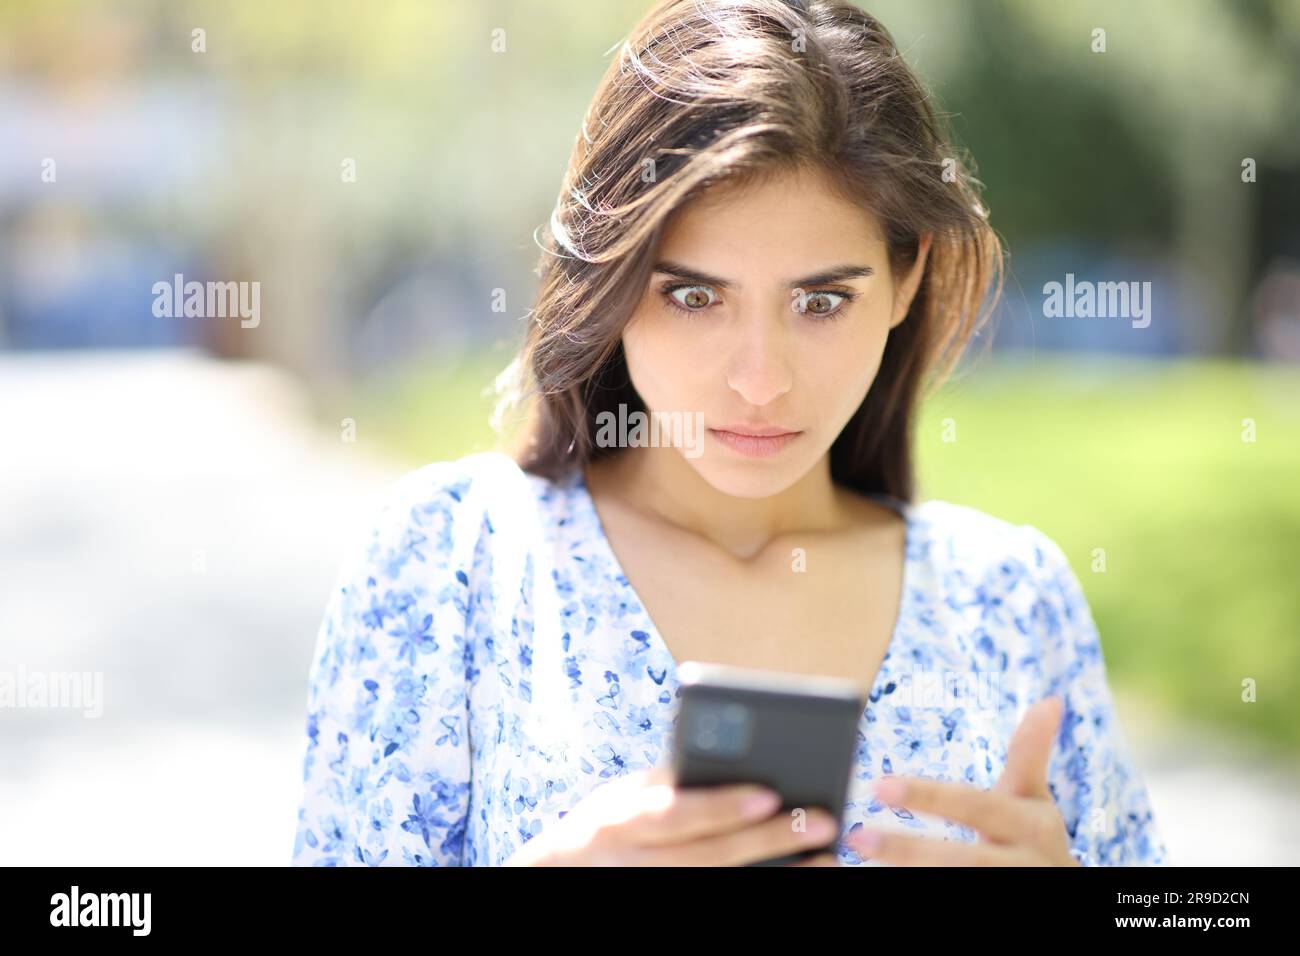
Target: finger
[[900, 849], [999, 816], [821, 859], [660, 814], [767, 840], [1030, 751]]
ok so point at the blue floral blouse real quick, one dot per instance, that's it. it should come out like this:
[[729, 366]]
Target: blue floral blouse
[[483, 664]]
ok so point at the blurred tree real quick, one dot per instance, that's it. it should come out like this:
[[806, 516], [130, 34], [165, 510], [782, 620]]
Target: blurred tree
[[1143, 140]]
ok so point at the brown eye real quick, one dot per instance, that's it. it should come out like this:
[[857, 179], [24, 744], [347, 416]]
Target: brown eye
[[820, 303], [691, 298], [823, 303]]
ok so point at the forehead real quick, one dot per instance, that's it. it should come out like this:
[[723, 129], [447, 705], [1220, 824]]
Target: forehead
[[779, 218]]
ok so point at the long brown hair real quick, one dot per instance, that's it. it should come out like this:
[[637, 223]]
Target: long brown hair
[[707, 91]]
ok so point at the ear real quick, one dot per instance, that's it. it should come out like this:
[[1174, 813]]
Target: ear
[[905, 285]]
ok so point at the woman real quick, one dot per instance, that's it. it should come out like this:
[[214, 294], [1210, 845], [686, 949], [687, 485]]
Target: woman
[[760, 246]]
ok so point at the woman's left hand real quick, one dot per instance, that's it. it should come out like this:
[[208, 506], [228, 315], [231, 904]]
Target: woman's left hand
[[1017, 820]]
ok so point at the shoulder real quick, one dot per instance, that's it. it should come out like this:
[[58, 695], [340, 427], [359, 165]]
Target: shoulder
[[1011, 585], [434, 538], [1016, 569], [962, 536], [447, 511], [452, 482], [473, 483]]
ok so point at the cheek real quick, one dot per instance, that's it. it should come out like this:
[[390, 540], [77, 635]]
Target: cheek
[[655, 348], [842, 365]]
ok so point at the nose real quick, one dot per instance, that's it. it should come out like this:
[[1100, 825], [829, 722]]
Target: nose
[[758, 368]]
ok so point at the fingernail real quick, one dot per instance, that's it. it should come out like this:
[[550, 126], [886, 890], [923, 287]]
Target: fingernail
[[820, 830]]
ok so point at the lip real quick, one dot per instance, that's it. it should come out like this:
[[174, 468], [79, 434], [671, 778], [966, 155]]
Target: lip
[[756, 431], [755, 441]]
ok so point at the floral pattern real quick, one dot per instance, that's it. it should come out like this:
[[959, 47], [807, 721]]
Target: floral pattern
[[483, 664]]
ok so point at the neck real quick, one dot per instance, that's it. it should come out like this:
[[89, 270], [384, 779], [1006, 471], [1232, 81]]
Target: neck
[[657, 481]]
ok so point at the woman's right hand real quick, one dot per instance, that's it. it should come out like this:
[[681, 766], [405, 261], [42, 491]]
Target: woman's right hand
[[641, 819]]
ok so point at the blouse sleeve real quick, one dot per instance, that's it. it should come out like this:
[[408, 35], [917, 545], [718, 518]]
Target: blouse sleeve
[[1092, 776], [386, 770]]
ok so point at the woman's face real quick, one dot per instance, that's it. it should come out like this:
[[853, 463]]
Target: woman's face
[[767, 312]]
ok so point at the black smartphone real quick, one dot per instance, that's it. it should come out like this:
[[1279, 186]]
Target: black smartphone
[[793, 733]]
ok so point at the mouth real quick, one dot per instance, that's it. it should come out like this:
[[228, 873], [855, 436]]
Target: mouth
[[755, 442]]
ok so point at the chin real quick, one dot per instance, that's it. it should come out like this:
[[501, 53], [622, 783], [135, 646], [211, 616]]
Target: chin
[[747, 479]]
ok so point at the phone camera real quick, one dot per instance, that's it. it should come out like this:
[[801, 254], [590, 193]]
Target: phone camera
[[720, 730]]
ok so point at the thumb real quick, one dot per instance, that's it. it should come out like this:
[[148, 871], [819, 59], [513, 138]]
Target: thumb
[[1025, 774]]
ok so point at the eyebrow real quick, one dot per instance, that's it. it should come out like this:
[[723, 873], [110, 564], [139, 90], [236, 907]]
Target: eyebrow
[[833, 274]]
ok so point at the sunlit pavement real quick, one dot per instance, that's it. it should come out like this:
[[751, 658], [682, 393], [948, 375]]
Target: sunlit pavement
[[1219, 800], [176, 523]]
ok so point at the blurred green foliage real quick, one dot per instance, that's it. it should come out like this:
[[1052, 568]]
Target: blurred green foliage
[[1201, 529]]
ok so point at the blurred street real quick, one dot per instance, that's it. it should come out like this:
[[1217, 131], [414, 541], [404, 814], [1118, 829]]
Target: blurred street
[[1219, 800], [175, 523]]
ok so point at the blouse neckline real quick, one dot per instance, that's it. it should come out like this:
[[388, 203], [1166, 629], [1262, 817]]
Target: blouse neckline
[[904, 509]]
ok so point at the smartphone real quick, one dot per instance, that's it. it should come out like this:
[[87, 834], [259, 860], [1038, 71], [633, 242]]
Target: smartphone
[[794, 733]]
